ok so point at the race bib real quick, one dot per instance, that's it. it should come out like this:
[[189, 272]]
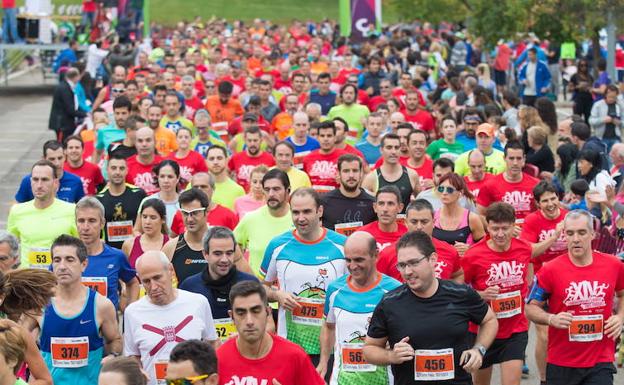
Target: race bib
[[586, 328], [160, 371], [70, 352], [119, 231], [225, 327], [39, 257], [323, 189], [221, 129], [309, 312], [434, 365], [353, 358], [507, 305], [98, 284], [347, 229]]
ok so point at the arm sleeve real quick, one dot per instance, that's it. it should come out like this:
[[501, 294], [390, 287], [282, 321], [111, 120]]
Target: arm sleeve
[[240, 233], [268, 270], [619, 285], [467, 266], [126, 273]]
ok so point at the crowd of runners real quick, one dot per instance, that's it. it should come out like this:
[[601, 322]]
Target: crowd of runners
[[252, 203]]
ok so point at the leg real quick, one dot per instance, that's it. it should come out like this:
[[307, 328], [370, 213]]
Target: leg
[[601, 374], [13, 24], [540, 350], [482, 376], [511, 372]]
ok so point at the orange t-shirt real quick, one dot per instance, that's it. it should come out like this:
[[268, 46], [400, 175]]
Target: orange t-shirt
[[165, 141], [282, 125], [223, 112]]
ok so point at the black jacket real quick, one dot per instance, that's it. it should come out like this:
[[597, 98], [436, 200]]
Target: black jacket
[[64, 113]]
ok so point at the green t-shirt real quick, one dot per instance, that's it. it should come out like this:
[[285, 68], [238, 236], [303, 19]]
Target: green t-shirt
[[441, 149], [225, 193], [256, 230], [494, 163], [175, 124], [38, 228], [353, 115]]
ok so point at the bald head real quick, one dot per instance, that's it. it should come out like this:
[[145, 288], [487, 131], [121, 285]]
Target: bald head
[[617, 154], [362, 243], [476, 163], [156, 274], [144, 142], [153, 259]]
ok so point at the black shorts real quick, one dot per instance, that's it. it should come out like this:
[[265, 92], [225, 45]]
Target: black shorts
[[500, 78], [504, 349], [600, 374]]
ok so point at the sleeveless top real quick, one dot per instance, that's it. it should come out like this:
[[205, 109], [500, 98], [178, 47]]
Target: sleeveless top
[[137, 249], [403, 184], [72, 348], [461, 234], [186, 261]]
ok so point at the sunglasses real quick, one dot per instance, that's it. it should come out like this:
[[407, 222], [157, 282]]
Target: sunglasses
[[118, 90], [187, 380], [448, 189], [192, 213]]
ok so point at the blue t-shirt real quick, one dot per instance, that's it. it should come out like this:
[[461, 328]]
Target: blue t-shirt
[[471, 143], [326, 101], [105, 270], [218, 296], [310, 145], [70, 189], [371, 153]]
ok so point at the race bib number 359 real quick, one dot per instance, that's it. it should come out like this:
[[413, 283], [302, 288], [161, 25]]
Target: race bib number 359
[[434, 365], [507, 305]]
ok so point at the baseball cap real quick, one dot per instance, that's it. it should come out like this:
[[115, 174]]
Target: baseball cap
[[250, 116], [486, 128]]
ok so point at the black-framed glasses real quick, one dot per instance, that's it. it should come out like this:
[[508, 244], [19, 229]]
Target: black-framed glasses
[[187, 380], [412, 263], [448, 189]]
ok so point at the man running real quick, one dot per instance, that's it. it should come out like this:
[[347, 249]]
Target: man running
[[477, 176], [243, 162], [89, 173], [226, 190], [193, 360], [321, 165], [387, 206], [284, 153], [140, 166]]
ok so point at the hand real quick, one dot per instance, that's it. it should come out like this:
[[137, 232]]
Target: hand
[[546, 175], [544, 90], [461, 248], [610, 193], [617, 121], [471, 360], [559, 229], [490, 293], [426, 184], [561, 320], [608, 119], [613, 327], [401, 352], [321, 369], [370, 91], [287, 300]]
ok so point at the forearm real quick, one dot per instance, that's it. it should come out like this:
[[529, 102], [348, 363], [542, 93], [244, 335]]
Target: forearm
[[327, 340], [272, 294], [377, 355], [537, 314], [487, 330], [132, 291], [113, 346]]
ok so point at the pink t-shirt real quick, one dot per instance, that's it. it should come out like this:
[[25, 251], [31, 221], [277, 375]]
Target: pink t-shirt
[[246, 204]]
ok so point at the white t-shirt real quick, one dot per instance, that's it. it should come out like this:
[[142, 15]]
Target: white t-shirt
[[152, 331]]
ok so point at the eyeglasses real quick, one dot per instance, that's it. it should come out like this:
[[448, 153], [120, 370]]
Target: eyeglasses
[[192, 213], [412, 263], [187, 380], [448, 189], [118, 90]]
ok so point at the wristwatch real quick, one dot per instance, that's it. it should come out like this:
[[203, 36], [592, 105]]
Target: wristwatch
[[481, 349]]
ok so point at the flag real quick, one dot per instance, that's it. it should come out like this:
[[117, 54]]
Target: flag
[[359, 18]]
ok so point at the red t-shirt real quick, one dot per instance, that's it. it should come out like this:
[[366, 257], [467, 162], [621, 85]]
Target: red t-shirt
[[401, 94], [484, 267], [538, 228], [421, 119], [383, 238], [141, 175], [425, 171], [519, 195], [448, 261], [235, 126], [375, 101], [322, 169], [242, 164], [191, 105], [219, 216], [190, 165], [89, 174], [354, 151], [475, 187], [286, 362], [582, 291]]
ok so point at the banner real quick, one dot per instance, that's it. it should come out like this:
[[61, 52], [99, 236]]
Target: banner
[[359, 18]]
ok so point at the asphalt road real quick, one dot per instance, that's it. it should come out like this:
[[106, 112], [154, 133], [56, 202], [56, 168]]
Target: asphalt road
[[24, 112]]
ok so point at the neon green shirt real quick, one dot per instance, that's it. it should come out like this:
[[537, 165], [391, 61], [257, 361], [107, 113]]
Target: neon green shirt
[[256, 230], [225, 193], [494, 163], [38, 228], [175, 124], [353, 115]]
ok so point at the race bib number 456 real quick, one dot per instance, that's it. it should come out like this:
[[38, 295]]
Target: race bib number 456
[[434, 365]]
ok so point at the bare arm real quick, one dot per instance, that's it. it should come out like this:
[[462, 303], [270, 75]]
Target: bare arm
[[476, 226], [376, 351], [458, 276], [33, 358], [370, 182], [109, 327], [414, 181], [241, 263], [327, 339], [99, 99], [541, 247], [132, 290], [169, 247]]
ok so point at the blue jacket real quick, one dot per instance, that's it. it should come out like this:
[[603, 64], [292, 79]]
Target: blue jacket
[[70, 189], [542, 77]]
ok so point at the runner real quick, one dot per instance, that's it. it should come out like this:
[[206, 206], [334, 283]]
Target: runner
[[349, 305], [122, 371], [255, 356], [241, 164], [322, 165], [206, 137], [284, 154], [121, 202], [498, 268], [173, 119], [419, 117], [303, 142], [106, 266], [349, 207], [113, 132], [12, 352], [477, 176], [164, 139], [494, 159], [59, 217], [303, 262], [370, 146], [140, 166], [387, 206], [351, 111], [579, 288], [419, 217], [190, 161], [89, 173], [226, 190], [127, 146], [79, 326], [192, 361], [70, 187], [435, 348], [9, 252], [417, 159], [216, 281], [256, 229], [165, 316]]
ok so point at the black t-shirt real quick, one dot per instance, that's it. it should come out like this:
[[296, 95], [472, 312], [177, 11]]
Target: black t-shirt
[[610, 127], [121, 149], [119, 211], [438, 322], [337, 208]]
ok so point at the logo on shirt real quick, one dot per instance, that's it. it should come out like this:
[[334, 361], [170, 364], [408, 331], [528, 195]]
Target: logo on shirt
[[505, 274], [381, 246], [560, 244], [586, 294], [118, 212], [247, 380], [186, 173], [316, 289], [86, 182], [439, 268], [169, 333], [244, 172], [324, 169], [520, 200], [145, 181]]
